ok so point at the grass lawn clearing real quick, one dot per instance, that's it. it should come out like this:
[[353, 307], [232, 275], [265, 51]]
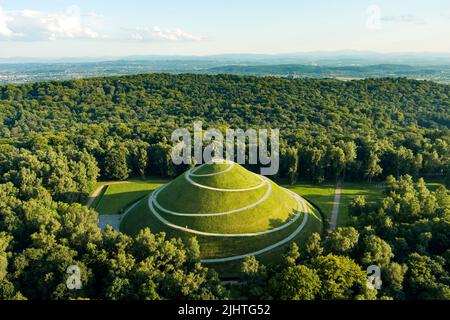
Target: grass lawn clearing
[[118, 196]]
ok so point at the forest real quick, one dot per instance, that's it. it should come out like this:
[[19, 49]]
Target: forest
[[57, 139]]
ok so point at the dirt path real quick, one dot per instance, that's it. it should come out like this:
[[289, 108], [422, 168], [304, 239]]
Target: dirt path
[[336, 203]]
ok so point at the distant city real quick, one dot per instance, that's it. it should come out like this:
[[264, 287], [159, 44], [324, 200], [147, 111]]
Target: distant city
[[344, 65]]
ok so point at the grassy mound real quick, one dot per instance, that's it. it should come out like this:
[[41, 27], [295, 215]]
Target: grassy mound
[[276, 210], [208, 199], [215, 247], [181, 196], [237, 178]]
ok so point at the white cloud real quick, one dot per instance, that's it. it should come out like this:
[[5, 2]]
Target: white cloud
[[158, 34], [407, 18], [4, 20], [29, 25]]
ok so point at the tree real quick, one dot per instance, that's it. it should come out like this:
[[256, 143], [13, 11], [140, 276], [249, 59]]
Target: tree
[[341, 277], [116, 165], [251, 268], [26, 181], [313, 247], [442, 197], [40, 271], [193, 249], [373, 167], [393, 277], [338, 161], [153, 267], [142, 162], [138, 157], [426, 278], [119, 289], [357, 206], [79, 225], [295, 283], [200, 284], [5, 239], [86, 172], [376, 251], [447, 175], [342, 240], [292, 255], [406, 161], [254, 278], [8, 292], [349, 149], [160, 158], [291, 161], [312, 162]]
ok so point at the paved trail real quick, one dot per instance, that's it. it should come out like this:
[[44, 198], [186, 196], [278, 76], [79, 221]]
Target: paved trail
[[336, 202], [114, 220]]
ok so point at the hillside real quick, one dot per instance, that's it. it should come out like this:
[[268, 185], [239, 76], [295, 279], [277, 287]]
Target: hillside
[[229, 219]]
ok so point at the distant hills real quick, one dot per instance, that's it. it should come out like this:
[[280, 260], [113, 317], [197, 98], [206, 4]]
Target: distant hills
[[439, 73], [341, 64], [346, 57]]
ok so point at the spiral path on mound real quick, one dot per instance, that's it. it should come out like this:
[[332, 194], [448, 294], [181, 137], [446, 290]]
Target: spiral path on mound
[[186, 214], [191, 173], [153, 204]]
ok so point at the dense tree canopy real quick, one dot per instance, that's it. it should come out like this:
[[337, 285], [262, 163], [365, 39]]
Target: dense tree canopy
[[58, 138], [364, 129]]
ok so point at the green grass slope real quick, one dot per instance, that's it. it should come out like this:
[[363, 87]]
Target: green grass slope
[[236, 178], [180, 196], [277, 209], [216, 247]]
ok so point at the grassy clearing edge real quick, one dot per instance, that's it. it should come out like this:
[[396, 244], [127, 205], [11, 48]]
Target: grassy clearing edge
[[99, 197]]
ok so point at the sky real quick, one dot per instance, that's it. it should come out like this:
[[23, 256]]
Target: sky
[[97, 28]]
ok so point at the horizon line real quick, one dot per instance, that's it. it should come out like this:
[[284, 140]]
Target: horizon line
[[347, 51]]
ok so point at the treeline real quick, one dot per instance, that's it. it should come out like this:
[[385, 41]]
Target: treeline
[[68, 174], [116, 158], [406, 236], [365, 130], [367, 159]]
